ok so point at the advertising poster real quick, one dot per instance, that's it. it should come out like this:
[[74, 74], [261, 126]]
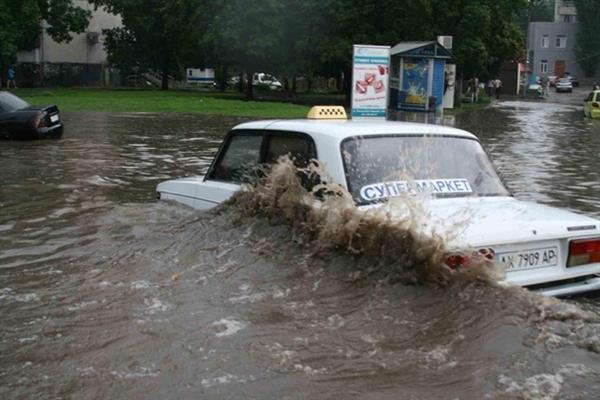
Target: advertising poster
[[449, 79], [370, 73], [415, 79]]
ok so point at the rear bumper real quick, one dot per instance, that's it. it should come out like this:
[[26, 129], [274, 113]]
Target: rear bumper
[[53, 132], [595, 114], [588, 284]]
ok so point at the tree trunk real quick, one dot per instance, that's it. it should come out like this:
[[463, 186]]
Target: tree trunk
[[221, 77], [164, 84], [249, 87], [2, 73], [241, 83], [458, 90], [294, 84], [347, 85]]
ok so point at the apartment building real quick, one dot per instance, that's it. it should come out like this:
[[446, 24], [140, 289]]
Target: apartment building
[[551, 44], [82, 61]]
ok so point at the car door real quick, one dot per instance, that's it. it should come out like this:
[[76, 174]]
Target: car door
[[236, 162], [241, 160]]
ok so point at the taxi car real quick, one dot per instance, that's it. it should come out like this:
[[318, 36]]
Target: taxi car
[[591, 107], [547, 249]]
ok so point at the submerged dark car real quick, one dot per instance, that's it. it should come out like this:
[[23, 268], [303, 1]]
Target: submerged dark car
[[21, 121]]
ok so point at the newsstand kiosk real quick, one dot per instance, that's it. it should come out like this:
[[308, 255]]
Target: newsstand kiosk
[[417, 76]]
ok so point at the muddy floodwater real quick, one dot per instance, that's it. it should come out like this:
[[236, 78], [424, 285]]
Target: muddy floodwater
[[107, 293]]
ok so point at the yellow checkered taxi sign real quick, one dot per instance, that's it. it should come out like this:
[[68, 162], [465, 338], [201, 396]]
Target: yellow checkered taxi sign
[[327, 112]]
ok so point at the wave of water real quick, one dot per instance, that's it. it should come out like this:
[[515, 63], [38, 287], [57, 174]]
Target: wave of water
[[271, 297]]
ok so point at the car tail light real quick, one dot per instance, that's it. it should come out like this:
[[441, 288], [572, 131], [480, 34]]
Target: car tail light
[[457, 260], [595, 105], [40, 121], [584, 251]]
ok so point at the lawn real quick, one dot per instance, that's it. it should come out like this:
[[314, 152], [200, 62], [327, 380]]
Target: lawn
[[123, 100]]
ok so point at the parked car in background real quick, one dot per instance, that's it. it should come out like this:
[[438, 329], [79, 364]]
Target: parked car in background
[[266, 80], [591, 107], [21, 121], [564, 85], [574, 81], [552, 80]]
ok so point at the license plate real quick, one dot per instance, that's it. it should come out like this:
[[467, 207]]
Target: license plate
[[54, 118], [529, 259]]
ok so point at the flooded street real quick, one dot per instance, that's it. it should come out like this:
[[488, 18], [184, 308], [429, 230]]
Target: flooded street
[[107, 293]]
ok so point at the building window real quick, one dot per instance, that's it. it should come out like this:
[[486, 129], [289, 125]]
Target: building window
[[544, 67], [561, 41], [545, 41]]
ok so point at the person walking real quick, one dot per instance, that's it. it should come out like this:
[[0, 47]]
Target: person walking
[[498, 88], [490, 88], [545, 84], [11, 78]]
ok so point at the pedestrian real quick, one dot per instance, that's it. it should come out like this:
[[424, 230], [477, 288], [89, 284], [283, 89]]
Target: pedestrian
[[498, 88], [11, 77], [544, 83], [471, 90], [490, 88], [475, 90]]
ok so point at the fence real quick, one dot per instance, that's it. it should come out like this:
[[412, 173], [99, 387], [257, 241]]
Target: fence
[[65, 74]]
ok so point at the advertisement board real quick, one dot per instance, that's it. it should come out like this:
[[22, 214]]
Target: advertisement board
[[370, 79], [415, 82], [449, 79]]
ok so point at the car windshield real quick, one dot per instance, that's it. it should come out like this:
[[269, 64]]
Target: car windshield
[[564, 80], [380, 167], [10, 102]]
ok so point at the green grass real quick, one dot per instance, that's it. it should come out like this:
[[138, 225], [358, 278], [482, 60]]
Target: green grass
[[170, 101]]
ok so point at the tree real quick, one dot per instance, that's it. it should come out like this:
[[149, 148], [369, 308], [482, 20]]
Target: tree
[[21, 21], [587, 47], [484, 31], [248, 34], [156, 34]]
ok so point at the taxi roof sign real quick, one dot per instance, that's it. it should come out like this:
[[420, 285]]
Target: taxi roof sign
[[327, 112]]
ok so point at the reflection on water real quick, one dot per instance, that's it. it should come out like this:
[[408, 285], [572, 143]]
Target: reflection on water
[[546, 152], [106, 293]]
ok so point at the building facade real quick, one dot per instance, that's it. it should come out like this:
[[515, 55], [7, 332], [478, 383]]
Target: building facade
[[82, 61], [551, 45]]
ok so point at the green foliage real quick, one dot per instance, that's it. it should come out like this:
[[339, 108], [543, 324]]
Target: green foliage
[[587, 48], [156, 34], [484, 31], [536, 11], [20, 22], [292, 37]]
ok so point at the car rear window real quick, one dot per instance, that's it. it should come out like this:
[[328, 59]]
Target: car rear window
[[384, 166], [10, 102]]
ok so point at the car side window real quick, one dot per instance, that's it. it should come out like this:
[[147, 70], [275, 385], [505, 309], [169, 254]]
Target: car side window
[[240, 158], [299, 147], [590, 97]]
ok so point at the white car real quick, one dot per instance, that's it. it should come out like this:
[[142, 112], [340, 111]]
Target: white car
[[262, 79], [564, 85], [556, 252]]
